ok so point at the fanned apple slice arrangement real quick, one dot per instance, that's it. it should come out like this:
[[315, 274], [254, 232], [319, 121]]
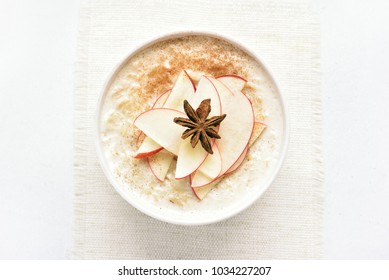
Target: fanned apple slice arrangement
[[209, 129]]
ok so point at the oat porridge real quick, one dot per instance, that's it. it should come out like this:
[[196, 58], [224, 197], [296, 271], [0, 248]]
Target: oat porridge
[[149, 167]]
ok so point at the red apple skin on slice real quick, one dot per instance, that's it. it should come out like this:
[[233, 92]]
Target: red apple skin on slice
[[201, 192], [189, 158], [139, 139], [158, 125], [161, 100], [232, 76], [200, 180], [233, 82], [148, 148], [236, 129], [160, 163]]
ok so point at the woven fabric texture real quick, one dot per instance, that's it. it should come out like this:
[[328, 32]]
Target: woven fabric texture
[[286, 222]]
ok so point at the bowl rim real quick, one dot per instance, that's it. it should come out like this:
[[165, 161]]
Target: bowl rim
[[104, 162]]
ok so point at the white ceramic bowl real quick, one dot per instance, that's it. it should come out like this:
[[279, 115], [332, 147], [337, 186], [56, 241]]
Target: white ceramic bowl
[[169, 216]]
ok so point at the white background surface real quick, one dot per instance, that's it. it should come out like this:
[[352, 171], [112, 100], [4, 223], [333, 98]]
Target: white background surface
[[37, 55]]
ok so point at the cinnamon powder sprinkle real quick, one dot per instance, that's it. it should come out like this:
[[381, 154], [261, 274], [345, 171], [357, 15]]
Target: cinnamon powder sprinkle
[[193, 53]]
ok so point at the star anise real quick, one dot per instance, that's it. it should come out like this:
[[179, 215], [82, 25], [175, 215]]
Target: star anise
[[199, 127]]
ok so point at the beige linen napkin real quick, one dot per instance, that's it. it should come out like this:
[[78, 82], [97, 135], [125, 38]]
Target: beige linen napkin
[[286, 223]]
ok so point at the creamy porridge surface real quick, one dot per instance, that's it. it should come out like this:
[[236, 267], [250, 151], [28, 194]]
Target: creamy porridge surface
[[153, 71]]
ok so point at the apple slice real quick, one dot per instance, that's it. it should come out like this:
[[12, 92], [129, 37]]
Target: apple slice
[[200, 180], [200, 193], [195, 76], [148, 148], [160, 163], [208, 171], [206, 90], [211, 166], [233, 82], [238, 162], [161, 99], [184, 88], [236, 129], [173, 99], [258, 129], [189, 159], [158, 125]]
